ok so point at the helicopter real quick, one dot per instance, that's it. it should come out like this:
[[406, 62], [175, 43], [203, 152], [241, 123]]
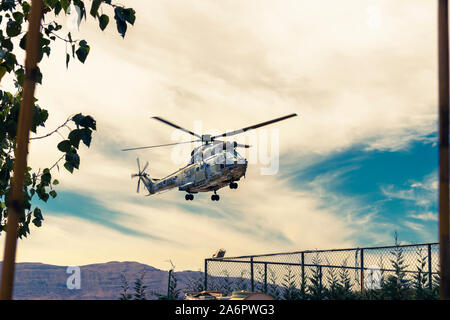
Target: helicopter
[[213, 165]]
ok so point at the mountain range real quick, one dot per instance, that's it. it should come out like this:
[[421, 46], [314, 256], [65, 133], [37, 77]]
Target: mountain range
[[102, 281]]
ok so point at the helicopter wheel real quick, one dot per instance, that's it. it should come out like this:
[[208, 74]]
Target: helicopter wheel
[[233, 185], [189, 197], [215, 197]]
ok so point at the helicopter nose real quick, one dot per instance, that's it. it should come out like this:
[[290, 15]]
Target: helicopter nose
[[240, 166]]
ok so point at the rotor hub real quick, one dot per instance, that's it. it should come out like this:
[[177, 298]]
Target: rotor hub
[[207, 138]]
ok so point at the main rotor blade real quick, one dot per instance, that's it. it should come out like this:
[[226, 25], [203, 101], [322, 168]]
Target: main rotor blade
[[139, 167], [232, 133], [139, 183], [161, 145], [145, 167], [176, 126], [238, 145]]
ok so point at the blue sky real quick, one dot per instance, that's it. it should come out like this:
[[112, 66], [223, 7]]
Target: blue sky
[[390, 184]]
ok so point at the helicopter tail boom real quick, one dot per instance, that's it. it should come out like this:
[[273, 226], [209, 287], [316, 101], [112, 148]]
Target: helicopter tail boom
[[143, 176]]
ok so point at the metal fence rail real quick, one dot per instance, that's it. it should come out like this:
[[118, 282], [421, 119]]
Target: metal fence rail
[[362, 268]]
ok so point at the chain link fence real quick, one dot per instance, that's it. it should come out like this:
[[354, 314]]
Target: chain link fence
[[408, 270]]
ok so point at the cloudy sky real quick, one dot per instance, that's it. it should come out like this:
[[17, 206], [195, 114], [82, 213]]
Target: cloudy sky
[[359, 163]]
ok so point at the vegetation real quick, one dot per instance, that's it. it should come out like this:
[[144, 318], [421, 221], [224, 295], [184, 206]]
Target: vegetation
[[273, 288], [316, 289], [14, 16], [139, 288], [172, 292], [289, 290], [196, 283], [227, 284]]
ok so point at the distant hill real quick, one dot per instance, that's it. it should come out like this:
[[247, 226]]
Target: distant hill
[[98, 281]]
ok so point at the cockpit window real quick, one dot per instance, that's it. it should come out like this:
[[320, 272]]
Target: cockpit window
[[229, 158]]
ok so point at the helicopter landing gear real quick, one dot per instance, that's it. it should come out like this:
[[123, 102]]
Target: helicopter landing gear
[[233, 185], [189, 196], [215, 197]]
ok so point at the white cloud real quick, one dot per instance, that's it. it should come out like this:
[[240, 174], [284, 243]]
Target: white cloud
[[423, 194], [425, 216]]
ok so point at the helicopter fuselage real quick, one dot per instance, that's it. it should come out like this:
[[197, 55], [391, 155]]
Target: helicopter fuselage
[[211, 167]]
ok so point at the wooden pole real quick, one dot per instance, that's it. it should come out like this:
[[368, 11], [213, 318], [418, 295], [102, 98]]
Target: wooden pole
[[443, 56], [15, 202]]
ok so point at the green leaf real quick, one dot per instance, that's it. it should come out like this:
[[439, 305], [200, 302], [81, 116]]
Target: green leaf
[[7, 44], [52, 3], [86, 136], [64, 146], [13, 28], [69, 167], [46, 50], [67, 60], [77, 118], [65, 4], [18, 16], [37, 222], [37, 213], [2, 72], [120, 21], [75, 137], [82, 51], [103, 21], [20, 76], [83, 43], [94, 7], [58, 8], [23, 41], [88, 122], [26, 7], [55, 182], [53, 193], [82, 54], [39, 76], [10, 61], [43, 195], [73, 159], [129, 15], [46, 178]]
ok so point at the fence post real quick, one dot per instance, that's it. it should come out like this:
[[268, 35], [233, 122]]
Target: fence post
[[303, 273], [206, 274], [430, 271], [251, 275], [320, 276], [265, 277], [362, 272]]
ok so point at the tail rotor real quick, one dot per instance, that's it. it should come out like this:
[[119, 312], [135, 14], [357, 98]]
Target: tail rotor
[[141, 174]]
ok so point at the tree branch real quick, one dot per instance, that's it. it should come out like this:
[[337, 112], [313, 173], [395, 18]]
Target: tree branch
[[56, 130]]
